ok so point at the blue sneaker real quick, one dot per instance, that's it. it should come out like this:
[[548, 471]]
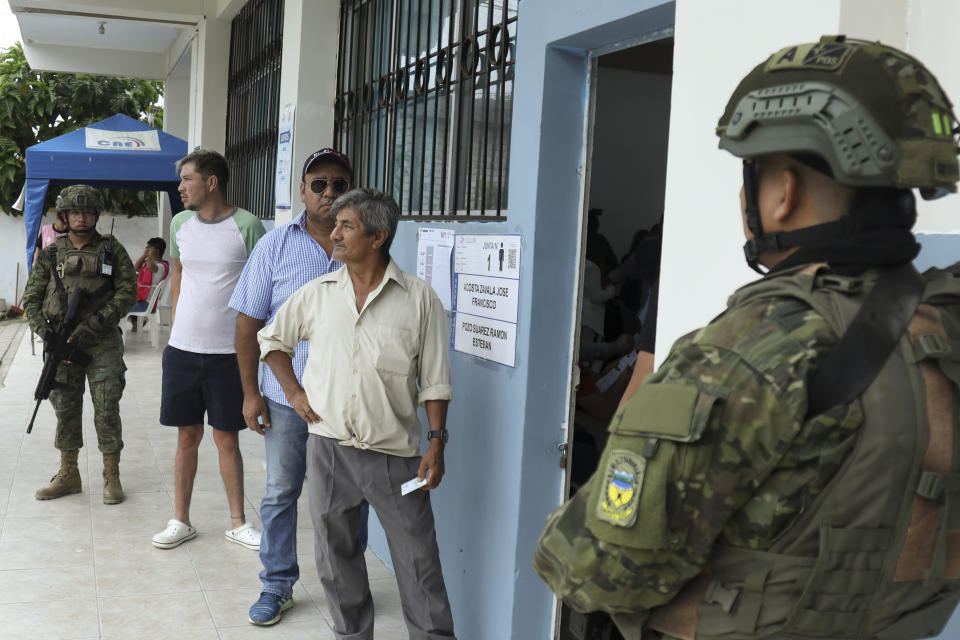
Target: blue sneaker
[[269, 608]]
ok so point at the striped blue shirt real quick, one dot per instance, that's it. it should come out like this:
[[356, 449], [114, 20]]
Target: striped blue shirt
[[284, 260]]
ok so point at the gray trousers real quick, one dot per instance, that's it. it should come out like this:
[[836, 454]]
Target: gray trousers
[[339, 479]]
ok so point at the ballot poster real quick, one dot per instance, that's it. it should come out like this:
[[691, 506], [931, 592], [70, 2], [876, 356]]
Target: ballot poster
[[434, 255], [483, 255], [486, 292], [486, 338], [284, 157]]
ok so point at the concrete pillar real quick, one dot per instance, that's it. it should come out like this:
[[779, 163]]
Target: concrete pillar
[[176, 121], [308, 80], [210, 65]]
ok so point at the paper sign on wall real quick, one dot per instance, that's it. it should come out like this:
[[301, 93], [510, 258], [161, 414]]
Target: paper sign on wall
[[284, 157], [487, 338], [487, 297], [486, 283], [488, 256], [434, 247]]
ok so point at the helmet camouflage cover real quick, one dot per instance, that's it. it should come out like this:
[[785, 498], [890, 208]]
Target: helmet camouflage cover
[[875, 115], [80, 197]]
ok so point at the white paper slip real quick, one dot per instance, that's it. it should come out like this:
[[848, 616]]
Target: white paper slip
[[411, 485]]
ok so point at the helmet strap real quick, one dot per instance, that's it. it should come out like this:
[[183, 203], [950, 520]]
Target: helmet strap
[[782, 240], [752, 248]]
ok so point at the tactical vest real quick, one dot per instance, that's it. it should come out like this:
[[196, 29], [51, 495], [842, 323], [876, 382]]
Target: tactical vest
[[78, 268], [877, 555]]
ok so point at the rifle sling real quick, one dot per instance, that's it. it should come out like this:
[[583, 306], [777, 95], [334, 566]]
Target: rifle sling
[[866, 346]]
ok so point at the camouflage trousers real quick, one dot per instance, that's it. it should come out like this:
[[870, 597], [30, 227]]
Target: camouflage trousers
[[106, 379]]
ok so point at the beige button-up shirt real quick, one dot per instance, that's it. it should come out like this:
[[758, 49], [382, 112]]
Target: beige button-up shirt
[[363, 369]]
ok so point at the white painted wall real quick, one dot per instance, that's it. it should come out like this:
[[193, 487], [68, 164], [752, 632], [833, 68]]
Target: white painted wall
[[702, 210], [98, 53], [132, 233], [168, 9], [931, 36], [132, 64], [702, 207]]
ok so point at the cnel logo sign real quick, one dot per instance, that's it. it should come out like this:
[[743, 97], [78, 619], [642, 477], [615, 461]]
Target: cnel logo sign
[[122, 140]]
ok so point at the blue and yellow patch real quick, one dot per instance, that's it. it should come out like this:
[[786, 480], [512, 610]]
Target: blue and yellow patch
[[623, 481]]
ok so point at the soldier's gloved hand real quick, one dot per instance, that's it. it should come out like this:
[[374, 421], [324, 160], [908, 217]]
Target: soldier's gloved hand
[[96, 322], [83, 336], [73, 355]]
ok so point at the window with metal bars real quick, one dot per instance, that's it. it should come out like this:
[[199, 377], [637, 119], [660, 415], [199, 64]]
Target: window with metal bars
[[424, 100], [253, 100]]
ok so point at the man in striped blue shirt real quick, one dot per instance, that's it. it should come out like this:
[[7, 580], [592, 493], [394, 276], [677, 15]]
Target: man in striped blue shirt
[[284, 260]]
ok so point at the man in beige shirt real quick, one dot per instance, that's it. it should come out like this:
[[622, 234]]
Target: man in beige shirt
[[383, 349]]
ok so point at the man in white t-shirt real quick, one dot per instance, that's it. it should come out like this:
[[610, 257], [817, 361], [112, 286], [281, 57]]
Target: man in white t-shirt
[[209, 244]]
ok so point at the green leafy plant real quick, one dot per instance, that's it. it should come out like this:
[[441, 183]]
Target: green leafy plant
[[37, 106]]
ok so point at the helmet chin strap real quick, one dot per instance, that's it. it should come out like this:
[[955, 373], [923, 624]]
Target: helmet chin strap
[[751, 249]]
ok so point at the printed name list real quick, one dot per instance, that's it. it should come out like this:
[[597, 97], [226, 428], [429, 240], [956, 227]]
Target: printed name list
[[486, 294]]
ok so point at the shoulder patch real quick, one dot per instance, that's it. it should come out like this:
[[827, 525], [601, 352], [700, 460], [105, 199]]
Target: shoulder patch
[[820, 56], [623, 482]]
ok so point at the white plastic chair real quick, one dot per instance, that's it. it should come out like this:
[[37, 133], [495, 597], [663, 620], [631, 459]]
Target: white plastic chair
[[150, 313]]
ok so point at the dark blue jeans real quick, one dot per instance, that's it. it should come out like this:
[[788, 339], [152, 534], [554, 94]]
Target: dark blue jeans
[[286, 456]]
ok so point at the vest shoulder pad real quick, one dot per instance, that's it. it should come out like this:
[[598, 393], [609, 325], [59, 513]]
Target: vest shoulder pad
[[943, 285]]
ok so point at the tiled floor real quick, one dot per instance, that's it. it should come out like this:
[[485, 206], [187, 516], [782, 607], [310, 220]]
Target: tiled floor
[[77, 569]]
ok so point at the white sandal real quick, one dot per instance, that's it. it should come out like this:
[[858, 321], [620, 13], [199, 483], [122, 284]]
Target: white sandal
[[174, 535], [245, 535]]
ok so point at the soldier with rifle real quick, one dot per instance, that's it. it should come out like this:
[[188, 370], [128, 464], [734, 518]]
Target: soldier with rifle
[[79, 289]]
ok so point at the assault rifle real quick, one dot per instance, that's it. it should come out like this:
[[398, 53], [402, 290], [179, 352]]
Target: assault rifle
[[55, 350]]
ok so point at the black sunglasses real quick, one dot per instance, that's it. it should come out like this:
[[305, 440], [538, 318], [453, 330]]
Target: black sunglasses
[[319, 185]]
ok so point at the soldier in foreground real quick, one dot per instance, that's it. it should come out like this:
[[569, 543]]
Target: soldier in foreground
[[84, 259], [791, 471]]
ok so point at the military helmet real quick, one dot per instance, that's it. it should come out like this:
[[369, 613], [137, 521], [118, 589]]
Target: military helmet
[[865, 113], [80, 197]]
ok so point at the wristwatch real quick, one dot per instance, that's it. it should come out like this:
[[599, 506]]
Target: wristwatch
[[440, 434]]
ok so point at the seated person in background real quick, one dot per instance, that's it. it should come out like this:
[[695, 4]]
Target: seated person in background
[[600, 395], [599, 249], [151, 270], [636, 275], [595, 296]]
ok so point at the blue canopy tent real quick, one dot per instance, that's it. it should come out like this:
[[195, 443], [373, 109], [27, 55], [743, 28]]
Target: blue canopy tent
[[114, 161]]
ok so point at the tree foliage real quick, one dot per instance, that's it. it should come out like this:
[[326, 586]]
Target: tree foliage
[[38, 106]]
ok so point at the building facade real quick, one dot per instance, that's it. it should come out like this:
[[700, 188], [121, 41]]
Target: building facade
[[610, 104]]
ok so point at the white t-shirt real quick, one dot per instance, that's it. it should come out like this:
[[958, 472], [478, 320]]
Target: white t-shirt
[[212, 255]]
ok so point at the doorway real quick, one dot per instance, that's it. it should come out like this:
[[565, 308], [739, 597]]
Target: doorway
[[624, 195]]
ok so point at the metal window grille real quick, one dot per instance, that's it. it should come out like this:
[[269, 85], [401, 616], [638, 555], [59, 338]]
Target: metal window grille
[[424, 101], [253, 100]]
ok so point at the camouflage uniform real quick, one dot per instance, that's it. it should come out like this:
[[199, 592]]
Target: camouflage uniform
[[97, 335], [755, 466]]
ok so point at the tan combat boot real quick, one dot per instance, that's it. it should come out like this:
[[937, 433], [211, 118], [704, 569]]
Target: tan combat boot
[[112, 491], [66, 481]]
